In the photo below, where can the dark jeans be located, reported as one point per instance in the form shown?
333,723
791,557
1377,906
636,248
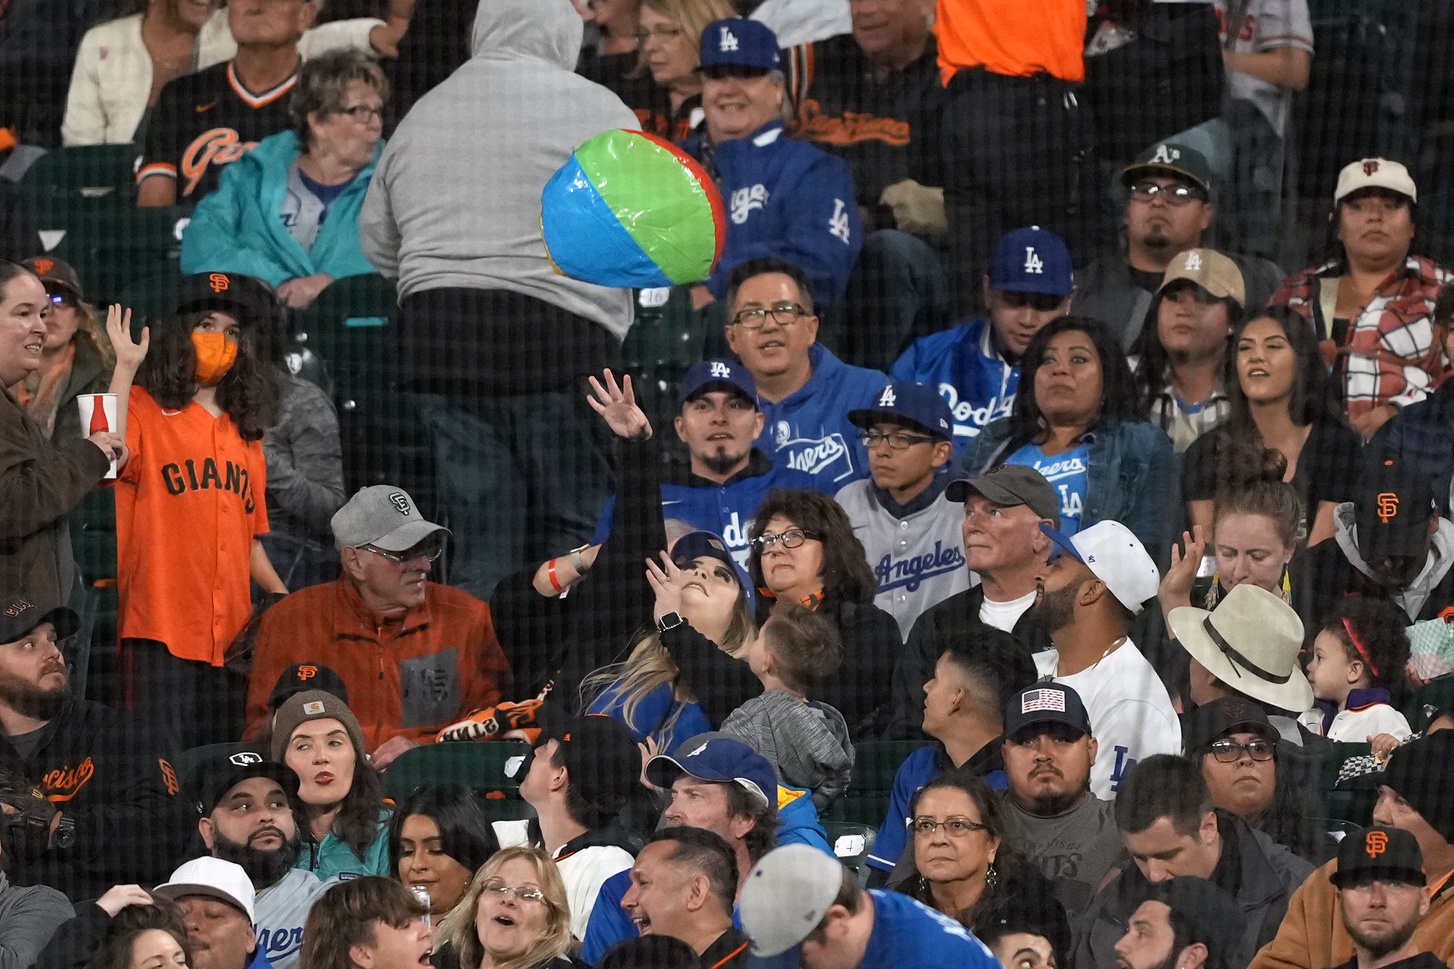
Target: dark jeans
895,295
1017,152
518,479
181,703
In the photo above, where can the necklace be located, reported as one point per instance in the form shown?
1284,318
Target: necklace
1109,649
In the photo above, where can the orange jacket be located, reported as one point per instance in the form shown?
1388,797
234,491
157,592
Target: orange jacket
407,676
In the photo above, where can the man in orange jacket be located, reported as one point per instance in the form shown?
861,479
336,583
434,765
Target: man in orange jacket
414,655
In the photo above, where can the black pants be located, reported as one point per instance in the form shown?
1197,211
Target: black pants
180,703
1016,152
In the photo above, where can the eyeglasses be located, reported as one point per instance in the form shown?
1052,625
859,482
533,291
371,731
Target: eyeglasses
898,440
784,314
1229,751
521,894
957,827
790,538
1177,194
662,32
431,548
1039,302
362,113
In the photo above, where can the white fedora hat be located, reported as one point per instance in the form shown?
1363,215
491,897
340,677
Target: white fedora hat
1250,642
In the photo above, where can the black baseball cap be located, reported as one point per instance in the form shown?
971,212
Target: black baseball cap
1011,484
1212,721
1379,854
220,767
1046,703
1391,510
1170,158
301,677
19,616
598,751
229,292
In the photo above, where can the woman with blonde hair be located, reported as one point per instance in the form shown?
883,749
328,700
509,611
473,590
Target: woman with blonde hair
513,916
668,53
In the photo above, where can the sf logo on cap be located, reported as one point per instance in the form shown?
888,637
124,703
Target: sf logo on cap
219,282
1387,506
1370,167
720,369
307,672
43,266
400,501
888,398
1375,843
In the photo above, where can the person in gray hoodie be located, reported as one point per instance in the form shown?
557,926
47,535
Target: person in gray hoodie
494,344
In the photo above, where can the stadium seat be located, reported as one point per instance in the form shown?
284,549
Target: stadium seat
480,766
1433,696
852,842
875,762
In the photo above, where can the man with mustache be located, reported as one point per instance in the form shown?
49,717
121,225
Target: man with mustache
1050,814
247,818
102,809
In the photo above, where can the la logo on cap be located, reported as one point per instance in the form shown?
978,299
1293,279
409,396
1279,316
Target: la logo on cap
244,758
888,398
1033,263
726,40
312,708
1165,154
720,369
1193,262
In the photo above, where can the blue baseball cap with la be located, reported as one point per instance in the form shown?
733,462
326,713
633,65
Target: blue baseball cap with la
1032,260
717,375
739,42
906,402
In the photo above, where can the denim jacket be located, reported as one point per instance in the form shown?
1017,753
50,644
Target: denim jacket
1132,476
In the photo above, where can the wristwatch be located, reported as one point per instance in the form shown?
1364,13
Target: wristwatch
65,832
669,621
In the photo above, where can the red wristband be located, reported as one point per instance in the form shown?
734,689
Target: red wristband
550,574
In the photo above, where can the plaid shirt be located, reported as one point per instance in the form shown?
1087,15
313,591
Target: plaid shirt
1390,354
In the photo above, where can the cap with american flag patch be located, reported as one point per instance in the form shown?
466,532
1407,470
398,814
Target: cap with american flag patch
1046,703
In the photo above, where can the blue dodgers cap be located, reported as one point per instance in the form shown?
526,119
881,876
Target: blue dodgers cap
720,759
911,403
1032,260
705,544
717,375
738,42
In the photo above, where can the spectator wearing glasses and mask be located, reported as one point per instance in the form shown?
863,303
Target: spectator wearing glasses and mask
1170,208
441,656
76,357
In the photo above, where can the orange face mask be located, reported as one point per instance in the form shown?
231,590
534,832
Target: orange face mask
216,353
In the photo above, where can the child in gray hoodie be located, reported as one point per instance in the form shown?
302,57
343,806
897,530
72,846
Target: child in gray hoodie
805,740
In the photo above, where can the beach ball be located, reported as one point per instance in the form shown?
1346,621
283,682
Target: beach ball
632,210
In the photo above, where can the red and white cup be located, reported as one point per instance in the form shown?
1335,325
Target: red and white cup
98,413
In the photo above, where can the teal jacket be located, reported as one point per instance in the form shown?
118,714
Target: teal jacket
239,227
332,857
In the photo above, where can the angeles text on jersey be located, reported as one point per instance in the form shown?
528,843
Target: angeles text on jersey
911,571
191,475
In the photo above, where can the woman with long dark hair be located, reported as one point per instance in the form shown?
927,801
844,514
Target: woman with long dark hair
1080,421
1281,400
438,838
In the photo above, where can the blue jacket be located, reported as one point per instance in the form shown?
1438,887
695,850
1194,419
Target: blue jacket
808,430
907,933
787,199
797,825
1132,476
918,769
239,227
653,715
963,364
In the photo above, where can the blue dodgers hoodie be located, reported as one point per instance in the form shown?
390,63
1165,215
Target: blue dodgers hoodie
239,228
969,373
808,430
455,200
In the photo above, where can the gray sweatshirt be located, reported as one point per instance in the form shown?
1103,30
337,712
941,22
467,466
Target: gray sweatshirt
807,742
455,199
28,917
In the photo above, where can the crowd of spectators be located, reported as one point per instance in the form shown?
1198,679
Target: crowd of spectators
1157,642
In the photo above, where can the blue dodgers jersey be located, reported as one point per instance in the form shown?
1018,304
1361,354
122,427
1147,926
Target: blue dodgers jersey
909,934
1068,474
808,431
971,376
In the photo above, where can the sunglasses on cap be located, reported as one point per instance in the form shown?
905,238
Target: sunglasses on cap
61,297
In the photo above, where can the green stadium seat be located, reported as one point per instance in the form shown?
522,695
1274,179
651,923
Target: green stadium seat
480,766
852,842
90,172
1435,695
875,762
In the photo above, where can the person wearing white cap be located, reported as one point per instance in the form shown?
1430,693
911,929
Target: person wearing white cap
1089,595
415,655
1372,304
801,907
218,903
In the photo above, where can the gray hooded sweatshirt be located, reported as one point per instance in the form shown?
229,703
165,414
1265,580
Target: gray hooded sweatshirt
1441,559
455,199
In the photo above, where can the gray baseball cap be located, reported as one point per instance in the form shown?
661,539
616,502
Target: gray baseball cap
786,895
382,516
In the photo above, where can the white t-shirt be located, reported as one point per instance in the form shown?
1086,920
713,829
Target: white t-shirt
1356,726
1004,615
1130,712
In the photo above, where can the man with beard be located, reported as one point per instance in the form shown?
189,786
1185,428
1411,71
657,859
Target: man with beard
1088,596
1188,923
247,819
1382,898
1050,814
726,477
97,805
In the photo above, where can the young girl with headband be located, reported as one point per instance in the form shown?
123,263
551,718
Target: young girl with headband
1356,668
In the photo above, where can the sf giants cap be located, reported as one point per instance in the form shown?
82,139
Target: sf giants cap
214,878
1116,556
1032,260
786,895
717,375
1375,173
1391,510
720,759
1379,854
19,616
301,677
1010,485
229,292
55,271
1046,703
383,516
1210,270
738,42
908,403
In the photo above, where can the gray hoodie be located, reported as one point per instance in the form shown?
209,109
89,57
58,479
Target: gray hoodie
455,199
1441,559
807,743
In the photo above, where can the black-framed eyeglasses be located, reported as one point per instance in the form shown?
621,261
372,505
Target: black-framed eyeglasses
789,537
61,297
363,113
1039,302
784,314
662,32
431,548
1229,751
898,440
955,827
1177,194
